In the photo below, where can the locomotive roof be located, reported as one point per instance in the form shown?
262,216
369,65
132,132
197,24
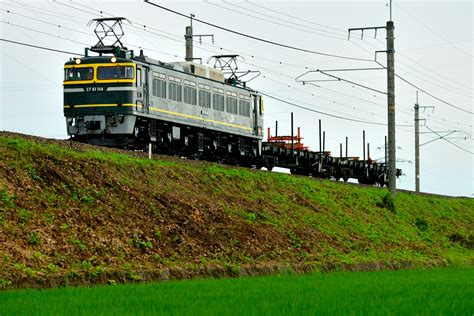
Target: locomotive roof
142,60
98,59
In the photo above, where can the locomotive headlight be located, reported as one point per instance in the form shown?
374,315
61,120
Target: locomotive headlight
113,59
78,61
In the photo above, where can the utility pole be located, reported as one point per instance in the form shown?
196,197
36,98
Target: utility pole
417,145
188,37
417,142
391,163
392,168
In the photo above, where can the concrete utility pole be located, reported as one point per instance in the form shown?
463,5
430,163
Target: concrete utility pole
391,163
417,145
417,141
188,37
392,168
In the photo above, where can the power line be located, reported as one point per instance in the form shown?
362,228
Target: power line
289,26
296,18
84,33
46,12
323,113
45,33
418,20
257,38
337,36
434,72
456,145
46,22
443,85
431,95
40,47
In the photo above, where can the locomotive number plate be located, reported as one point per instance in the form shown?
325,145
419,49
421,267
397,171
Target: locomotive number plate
95,89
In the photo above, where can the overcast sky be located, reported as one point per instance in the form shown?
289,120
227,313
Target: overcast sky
433,42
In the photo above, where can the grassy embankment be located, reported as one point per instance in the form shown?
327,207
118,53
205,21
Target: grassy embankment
92,215
412,292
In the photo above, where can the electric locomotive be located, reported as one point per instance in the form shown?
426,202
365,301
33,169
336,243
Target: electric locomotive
118,99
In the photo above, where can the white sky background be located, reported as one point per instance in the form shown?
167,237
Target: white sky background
433,42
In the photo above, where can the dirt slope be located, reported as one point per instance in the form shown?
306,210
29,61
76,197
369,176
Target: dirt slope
88,214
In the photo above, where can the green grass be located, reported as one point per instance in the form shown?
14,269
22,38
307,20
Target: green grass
68,204
405,292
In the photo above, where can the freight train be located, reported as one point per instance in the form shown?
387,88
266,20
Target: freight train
119,99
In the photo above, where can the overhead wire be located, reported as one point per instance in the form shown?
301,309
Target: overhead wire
80,32
296,18
280,99
330,34
44,33
435,81
433,96
29,7
255,37
447,140
418,20
243,13
40,47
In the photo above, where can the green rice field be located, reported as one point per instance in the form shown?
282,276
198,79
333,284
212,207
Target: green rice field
406,292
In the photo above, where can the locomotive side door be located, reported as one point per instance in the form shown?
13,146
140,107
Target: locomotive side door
258,118
143,98
146,90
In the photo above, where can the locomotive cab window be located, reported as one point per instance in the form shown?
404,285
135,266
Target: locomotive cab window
115,72
139,77
77,74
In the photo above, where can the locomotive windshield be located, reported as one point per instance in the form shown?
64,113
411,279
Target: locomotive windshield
115,72
76,74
